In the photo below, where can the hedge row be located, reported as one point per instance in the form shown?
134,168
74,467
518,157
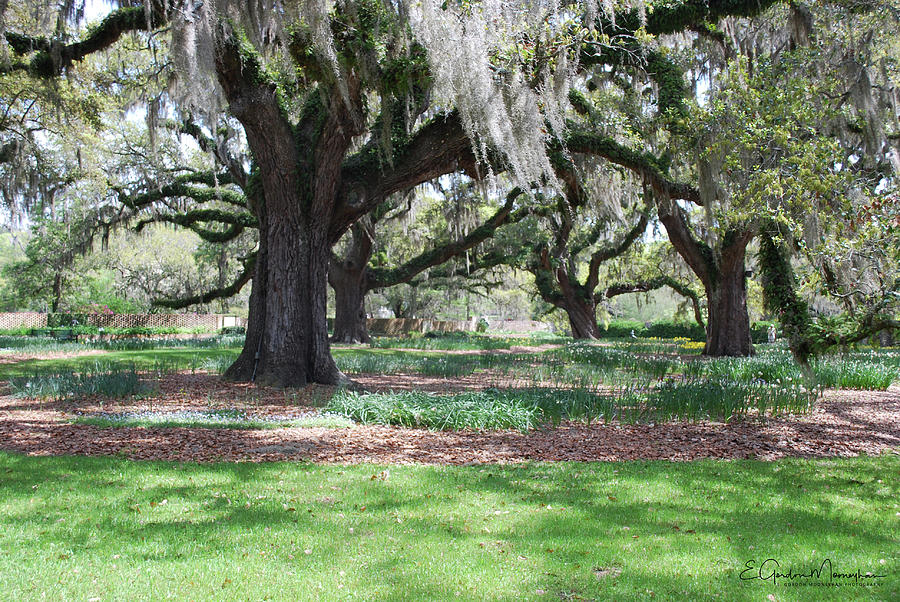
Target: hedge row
619,329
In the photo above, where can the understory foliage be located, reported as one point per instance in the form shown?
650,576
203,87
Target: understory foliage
643,381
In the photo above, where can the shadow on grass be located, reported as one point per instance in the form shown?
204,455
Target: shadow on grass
680,530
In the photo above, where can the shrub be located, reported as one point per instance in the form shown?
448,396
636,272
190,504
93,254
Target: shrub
618,329
492,409
66,319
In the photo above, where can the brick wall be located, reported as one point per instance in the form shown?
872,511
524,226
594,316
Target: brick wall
518,326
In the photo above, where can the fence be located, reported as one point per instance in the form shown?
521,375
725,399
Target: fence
398,326
377,326
9,321
517,326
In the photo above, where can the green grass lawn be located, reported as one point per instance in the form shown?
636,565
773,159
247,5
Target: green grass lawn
82,528
147,359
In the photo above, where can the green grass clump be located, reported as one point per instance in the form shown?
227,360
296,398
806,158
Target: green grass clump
223,419
112,383
154,360
856,374
30,344
136,344
398,362
721,400
76,528
464,341
527,409
492,409
874,371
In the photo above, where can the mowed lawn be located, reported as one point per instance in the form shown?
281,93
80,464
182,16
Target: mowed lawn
169,360
113,529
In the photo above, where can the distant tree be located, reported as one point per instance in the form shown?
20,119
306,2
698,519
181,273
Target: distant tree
353,276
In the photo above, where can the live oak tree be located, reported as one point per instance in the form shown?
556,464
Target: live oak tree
343,108
810,151
582,239
353,275
318,167
749,130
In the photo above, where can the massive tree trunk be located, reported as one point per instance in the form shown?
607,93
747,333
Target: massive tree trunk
723,277
299,171
295,348
728,329
582,318
349,308
245,367
348,278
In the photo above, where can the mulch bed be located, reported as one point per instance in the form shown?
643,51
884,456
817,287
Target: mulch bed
844,423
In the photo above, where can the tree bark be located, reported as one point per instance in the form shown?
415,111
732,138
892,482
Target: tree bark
556,288
57,292
728,330
348,278
295,348
723,278
245,367
349,308
582,318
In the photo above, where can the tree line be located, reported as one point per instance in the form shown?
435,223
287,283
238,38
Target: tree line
758,137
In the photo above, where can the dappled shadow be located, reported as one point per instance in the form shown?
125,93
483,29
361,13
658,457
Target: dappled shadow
32,432
517,516
844,423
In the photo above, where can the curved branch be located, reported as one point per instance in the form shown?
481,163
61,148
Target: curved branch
182,187
696,254
53,58
611,251
209,145
220,293
437,148
644,165
646,286
188,218
677,16
379,278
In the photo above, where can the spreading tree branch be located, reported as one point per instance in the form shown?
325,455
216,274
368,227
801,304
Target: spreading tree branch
381,278
645,286
220,293
51,58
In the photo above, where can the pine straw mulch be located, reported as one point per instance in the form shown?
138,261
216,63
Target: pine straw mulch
844,423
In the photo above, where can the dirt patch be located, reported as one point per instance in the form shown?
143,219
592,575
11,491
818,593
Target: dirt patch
844,423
